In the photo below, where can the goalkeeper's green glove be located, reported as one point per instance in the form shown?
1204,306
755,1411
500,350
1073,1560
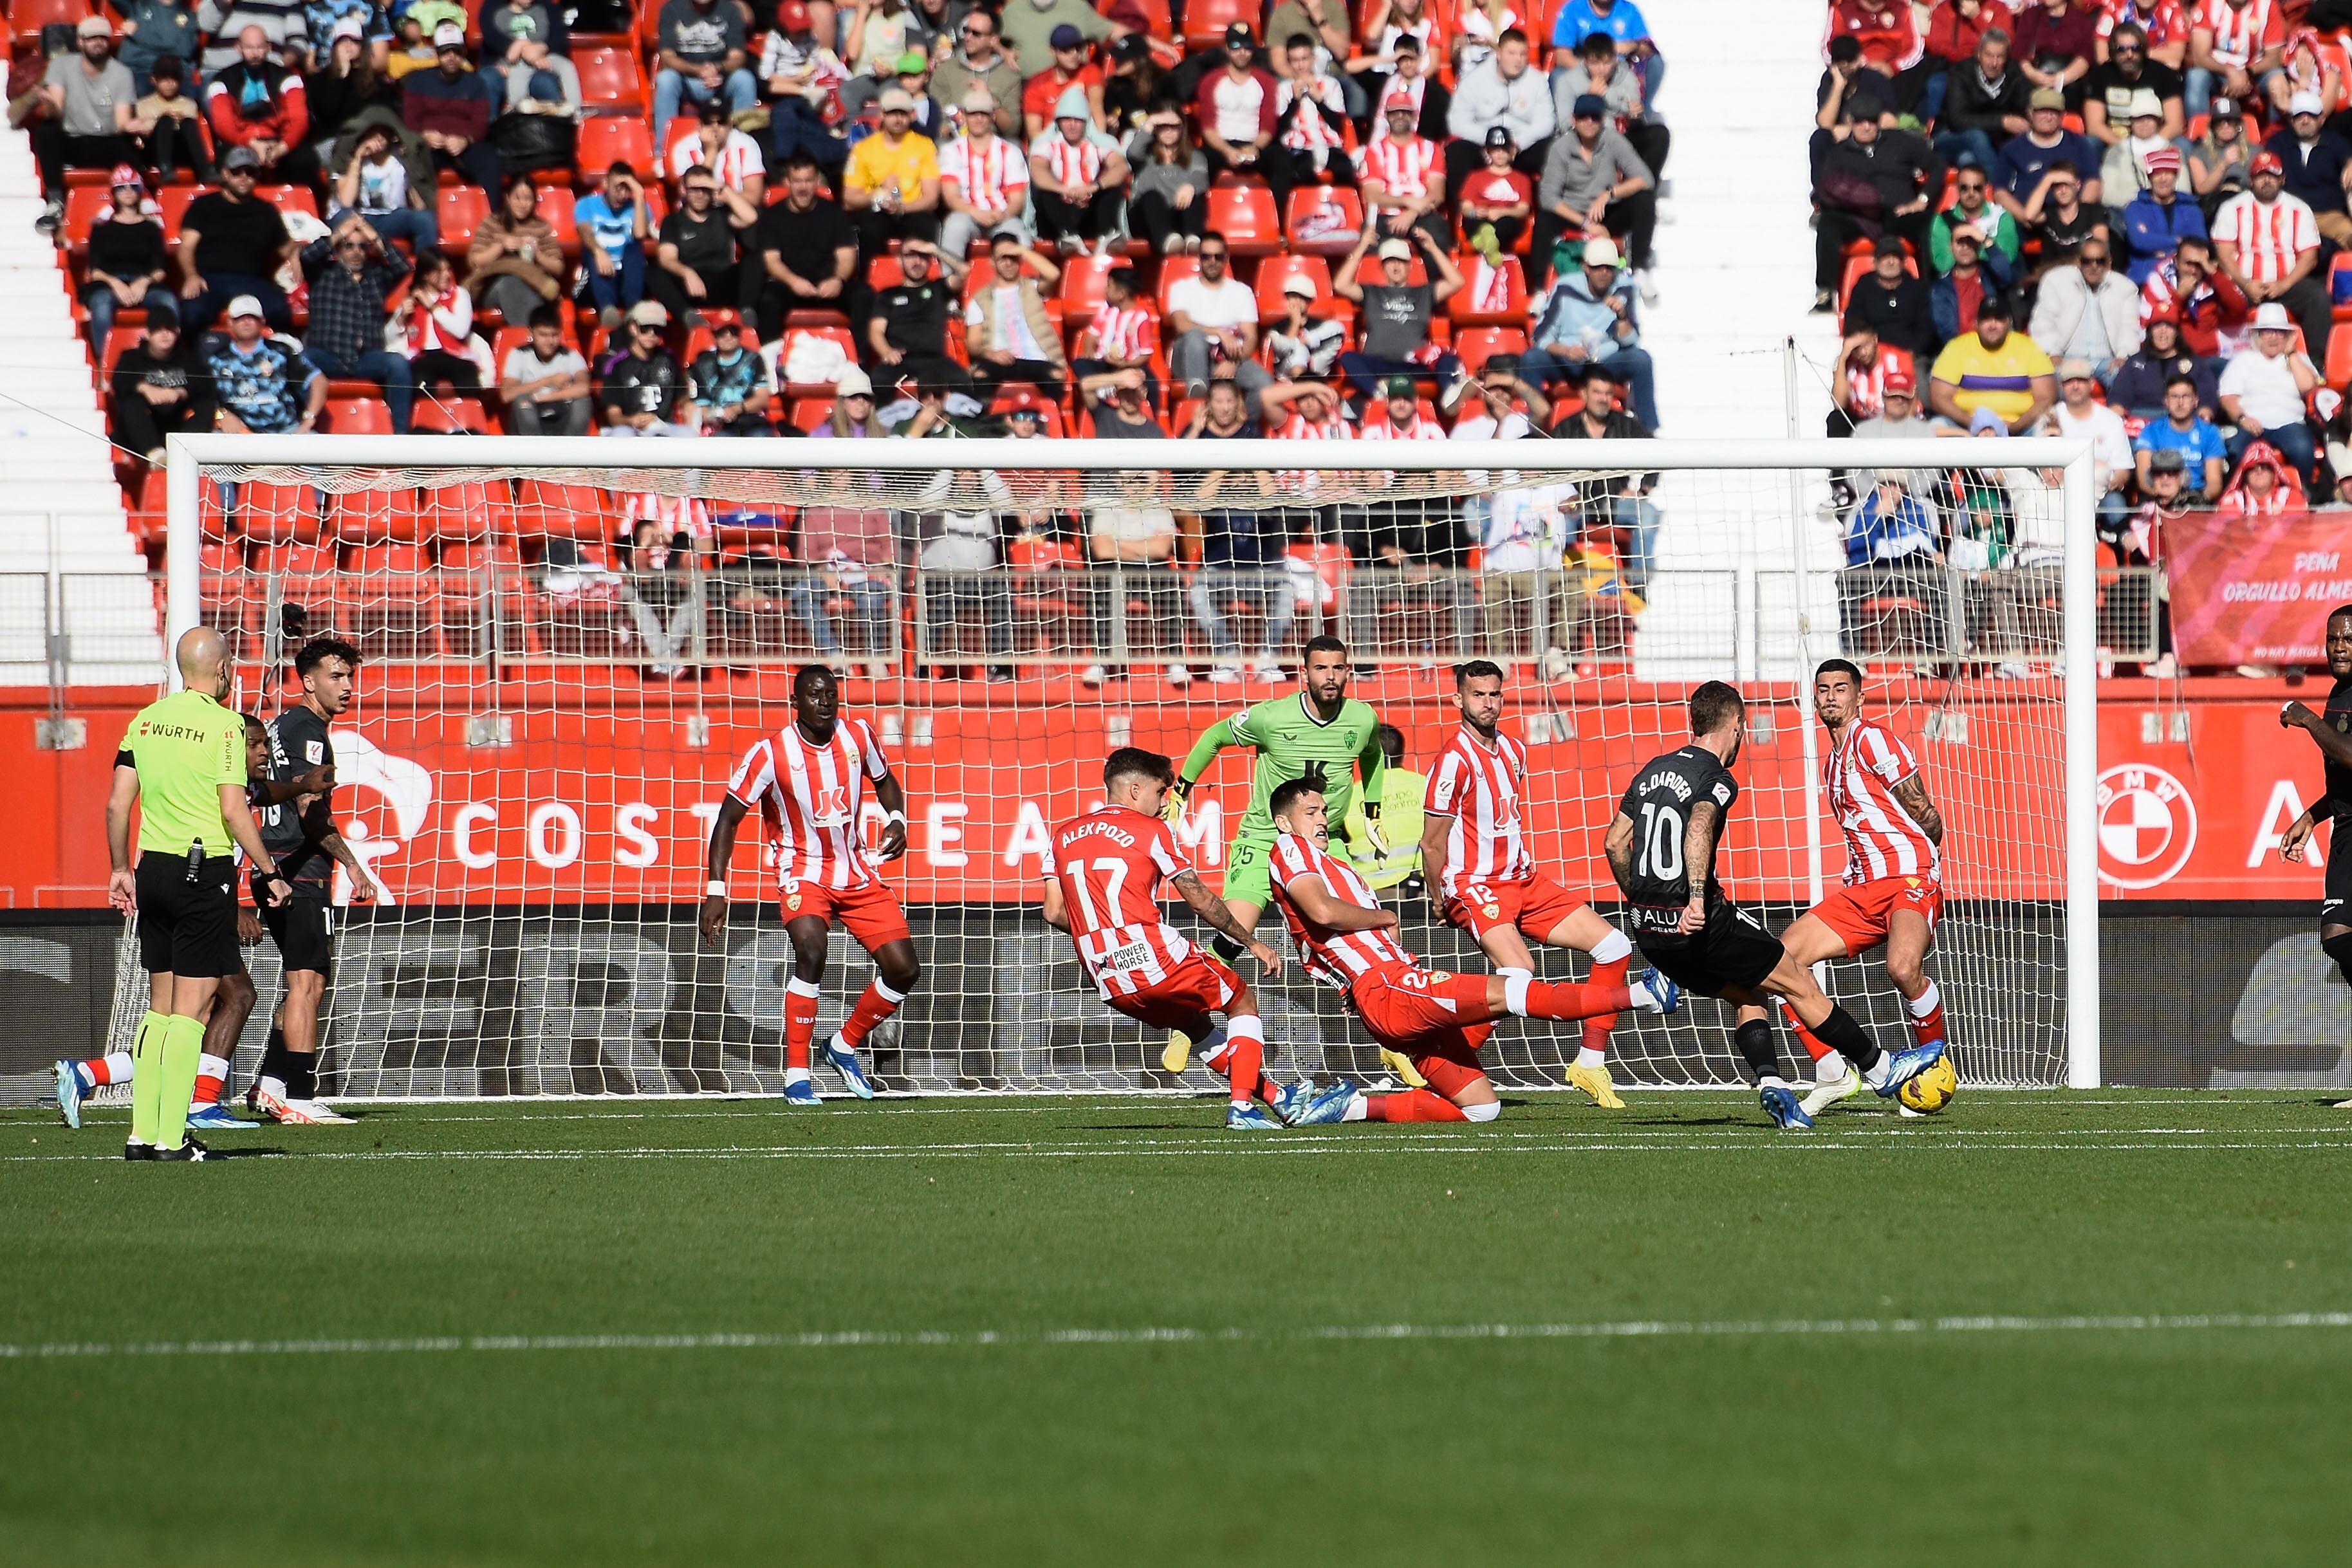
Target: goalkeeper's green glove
1178,793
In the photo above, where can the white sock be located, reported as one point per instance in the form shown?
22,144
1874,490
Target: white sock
117,1069
275,1087
1926,1001
1611,947
1358,1110
1515,990
211,1066
1875,1074
882,988
1592,1056
795,1075
1830,1068
1771,1081
1486,1112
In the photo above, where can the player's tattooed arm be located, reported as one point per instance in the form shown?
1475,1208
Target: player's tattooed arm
1618,846
1699,854
731,812
363,884
1912,794
1217,917
891,796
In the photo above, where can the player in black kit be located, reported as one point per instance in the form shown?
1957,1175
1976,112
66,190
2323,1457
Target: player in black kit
1662,848
2332,732
301,834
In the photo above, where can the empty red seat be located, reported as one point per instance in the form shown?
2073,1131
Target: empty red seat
606,138
1245,214
1172,271
290,198
555,205
548,508
1323,219
375,516
356,416
1082,284
273,514
1476,345
460,209
27,17
1490,296
609,79
448,413
1205,21
175,201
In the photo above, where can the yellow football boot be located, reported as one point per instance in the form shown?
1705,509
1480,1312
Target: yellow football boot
1596,1083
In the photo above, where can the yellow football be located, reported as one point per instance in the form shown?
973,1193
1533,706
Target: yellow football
1932,1090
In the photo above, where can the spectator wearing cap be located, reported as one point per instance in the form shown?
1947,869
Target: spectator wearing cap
728,385
1996,370
1593,183
2077,414
1166,207
161,386
731,155
1402,175
2020,174
1620,87
2266,485
1496,200
171,124
1045,92
1502,92
451,108
698,262
1006,329
2138,387
1954,298
1028,26
2160,217
906,335
1899,418
890,186
983,179
2235,50
1077,173
1998,247
1309,109
914,80
2085,309
351,272
2268,243
1412,81
979,64
1398,313
262,386
1894,302
1122,335
154,30
126,258
285,32
1871,180
804,82
702,56
2317,165
90,122
641,386
261,105
805,249
1591,317
1984,101
544,383
232,244
1234,106
2221,162
2183,431
2264,388
2056,43
1300,344
1132,83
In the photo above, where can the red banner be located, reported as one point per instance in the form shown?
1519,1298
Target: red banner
2255,591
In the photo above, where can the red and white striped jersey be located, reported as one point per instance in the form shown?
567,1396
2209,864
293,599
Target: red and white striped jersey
1078,162
1477,785
2242,32
2164,22
1110,864
1880,838
1866,385
1125,332
1315,125
1334,957
991,175
739,156
818,793
1402,167
2269,236
1298,427
1377,427
1415,88
444,325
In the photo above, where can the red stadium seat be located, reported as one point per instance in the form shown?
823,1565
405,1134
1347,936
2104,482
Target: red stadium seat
1478,344
610,83
275,514
607,138
26,17
356,416
1205,21
784,352
2338,367
174,199
446,415
809,414
1245,214
1334,214
1172,271
1280,269
375,516
84,206
555,202
546,508
460,209
1082,284
1496,297
290,198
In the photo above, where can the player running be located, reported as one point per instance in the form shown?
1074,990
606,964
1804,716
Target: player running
301,833
1320,733
1437,1020
232,1003
2332,733
1103,872
1894,891
1662,848
811,776
1474,841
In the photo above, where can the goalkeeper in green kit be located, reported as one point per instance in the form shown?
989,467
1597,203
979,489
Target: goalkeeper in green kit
1320,732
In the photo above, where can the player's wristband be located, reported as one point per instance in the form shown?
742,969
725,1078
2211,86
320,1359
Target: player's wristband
898,817
715,888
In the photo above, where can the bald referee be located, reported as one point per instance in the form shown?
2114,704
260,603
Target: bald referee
183,763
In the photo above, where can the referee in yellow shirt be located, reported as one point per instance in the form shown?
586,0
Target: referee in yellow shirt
182,762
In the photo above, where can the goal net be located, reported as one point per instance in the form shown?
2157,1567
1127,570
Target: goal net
569,642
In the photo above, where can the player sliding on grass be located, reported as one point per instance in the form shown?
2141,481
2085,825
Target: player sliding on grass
1662,848
811,778
1894,891
1103,872
1435,1019
1474,843
1320,733
2332,733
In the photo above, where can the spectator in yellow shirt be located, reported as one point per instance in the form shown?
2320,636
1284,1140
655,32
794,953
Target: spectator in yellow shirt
1995,367
890,187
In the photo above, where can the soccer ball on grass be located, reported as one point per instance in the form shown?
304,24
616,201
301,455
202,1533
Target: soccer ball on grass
1931,1091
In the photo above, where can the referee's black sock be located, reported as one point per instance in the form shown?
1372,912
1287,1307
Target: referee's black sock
273,1060
1760,1049
1842,1034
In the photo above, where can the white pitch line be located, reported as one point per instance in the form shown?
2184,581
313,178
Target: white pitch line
852,1339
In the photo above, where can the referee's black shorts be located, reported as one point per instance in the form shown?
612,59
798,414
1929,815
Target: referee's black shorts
1732,952
188,927
303,927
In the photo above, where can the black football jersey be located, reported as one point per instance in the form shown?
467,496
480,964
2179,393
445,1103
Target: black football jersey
299,742
1659,803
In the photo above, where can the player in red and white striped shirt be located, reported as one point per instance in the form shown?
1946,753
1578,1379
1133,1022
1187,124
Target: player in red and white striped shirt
809,780
1474,853
1894,891
1103,872
1437,1020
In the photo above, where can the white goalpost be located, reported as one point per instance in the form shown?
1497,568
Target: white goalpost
547,716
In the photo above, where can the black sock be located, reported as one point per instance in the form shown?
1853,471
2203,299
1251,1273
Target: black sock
273,1058
302,1082
1842,1034
1760,1049
2339,947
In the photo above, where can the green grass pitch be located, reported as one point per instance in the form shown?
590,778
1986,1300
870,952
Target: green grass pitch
1096,1332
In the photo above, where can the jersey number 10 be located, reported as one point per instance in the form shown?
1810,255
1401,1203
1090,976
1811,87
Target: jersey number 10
1660,856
